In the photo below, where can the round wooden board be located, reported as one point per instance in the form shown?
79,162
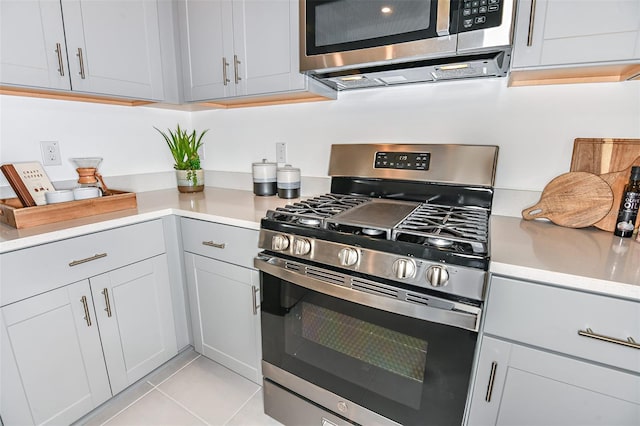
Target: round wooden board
574,200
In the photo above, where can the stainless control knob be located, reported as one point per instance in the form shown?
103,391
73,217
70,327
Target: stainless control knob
404,268
437,275
301,246
280,242
348,256
343,407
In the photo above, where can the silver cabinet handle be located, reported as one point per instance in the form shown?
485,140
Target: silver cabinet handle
60,63
254,299
630,343
492,378
532,18
88,259
225,64
81,60
105,293
87,317
442,18
236,62
212,244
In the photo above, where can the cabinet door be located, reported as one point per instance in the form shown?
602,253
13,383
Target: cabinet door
206,34
52,358
225,317
32,50
266,44
114,47
133,307
517,385
576,32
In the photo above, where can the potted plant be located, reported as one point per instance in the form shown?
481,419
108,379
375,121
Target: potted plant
184,148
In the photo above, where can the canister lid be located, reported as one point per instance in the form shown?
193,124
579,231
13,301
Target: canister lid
288,174
264,170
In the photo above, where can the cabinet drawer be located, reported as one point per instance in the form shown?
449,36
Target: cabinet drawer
223,242
25,273
551,317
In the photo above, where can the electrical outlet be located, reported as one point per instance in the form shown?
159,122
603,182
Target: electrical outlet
281,152
50,153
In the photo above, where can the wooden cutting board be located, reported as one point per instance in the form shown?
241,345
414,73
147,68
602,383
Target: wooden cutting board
617,182
574,200
601,156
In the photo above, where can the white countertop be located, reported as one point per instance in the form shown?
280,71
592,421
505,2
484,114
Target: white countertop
585,259
229,206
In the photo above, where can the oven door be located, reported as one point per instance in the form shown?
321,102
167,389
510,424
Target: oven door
335,34
351,351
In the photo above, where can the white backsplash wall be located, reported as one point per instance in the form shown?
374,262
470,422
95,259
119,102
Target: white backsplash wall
533,126
123,136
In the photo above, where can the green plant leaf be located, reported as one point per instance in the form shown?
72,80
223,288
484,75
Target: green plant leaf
184,147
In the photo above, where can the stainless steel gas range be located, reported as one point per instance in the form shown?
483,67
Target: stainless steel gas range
371,296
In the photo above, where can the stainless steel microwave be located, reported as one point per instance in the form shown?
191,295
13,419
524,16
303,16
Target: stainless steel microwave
343,40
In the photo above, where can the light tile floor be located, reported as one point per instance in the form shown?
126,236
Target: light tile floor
188,390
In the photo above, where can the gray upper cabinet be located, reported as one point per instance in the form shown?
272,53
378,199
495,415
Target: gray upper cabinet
240,49
107,47
114,47
576,32
33,51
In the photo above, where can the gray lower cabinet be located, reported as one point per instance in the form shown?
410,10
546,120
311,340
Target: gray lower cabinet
543,360
86,46
224,294
78,329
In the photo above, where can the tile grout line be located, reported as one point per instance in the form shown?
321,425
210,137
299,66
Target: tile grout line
127,407
243,405
183,407
153,387
175,372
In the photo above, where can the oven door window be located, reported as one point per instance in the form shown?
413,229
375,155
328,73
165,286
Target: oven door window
340,25
411,371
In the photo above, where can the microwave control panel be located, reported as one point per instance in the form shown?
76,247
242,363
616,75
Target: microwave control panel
402,160
479,14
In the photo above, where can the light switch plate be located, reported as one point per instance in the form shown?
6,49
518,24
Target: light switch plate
281,152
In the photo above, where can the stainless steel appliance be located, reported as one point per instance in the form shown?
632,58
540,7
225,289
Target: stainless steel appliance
350,44
371,295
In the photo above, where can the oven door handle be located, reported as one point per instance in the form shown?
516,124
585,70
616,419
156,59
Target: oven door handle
459,315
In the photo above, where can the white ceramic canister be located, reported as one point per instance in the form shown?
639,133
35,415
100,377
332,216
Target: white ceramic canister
288,182
264,178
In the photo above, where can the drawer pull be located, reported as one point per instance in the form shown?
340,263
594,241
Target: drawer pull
254,299
630,343
81,62
60,63
105,293
87,318
532,18
212,244
492,378
88,259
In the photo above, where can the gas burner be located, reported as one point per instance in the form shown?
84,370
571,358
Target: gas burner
439,242
372,232
464,229
313,211
309,221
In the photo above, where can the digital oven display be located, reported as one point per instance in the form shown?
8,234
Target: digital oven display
402,160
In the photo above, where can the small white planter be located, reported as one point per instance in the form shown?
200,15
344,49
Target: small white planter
190,180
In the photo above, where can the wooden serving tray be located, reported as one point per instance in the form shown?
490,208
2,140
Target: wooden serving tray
13,214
